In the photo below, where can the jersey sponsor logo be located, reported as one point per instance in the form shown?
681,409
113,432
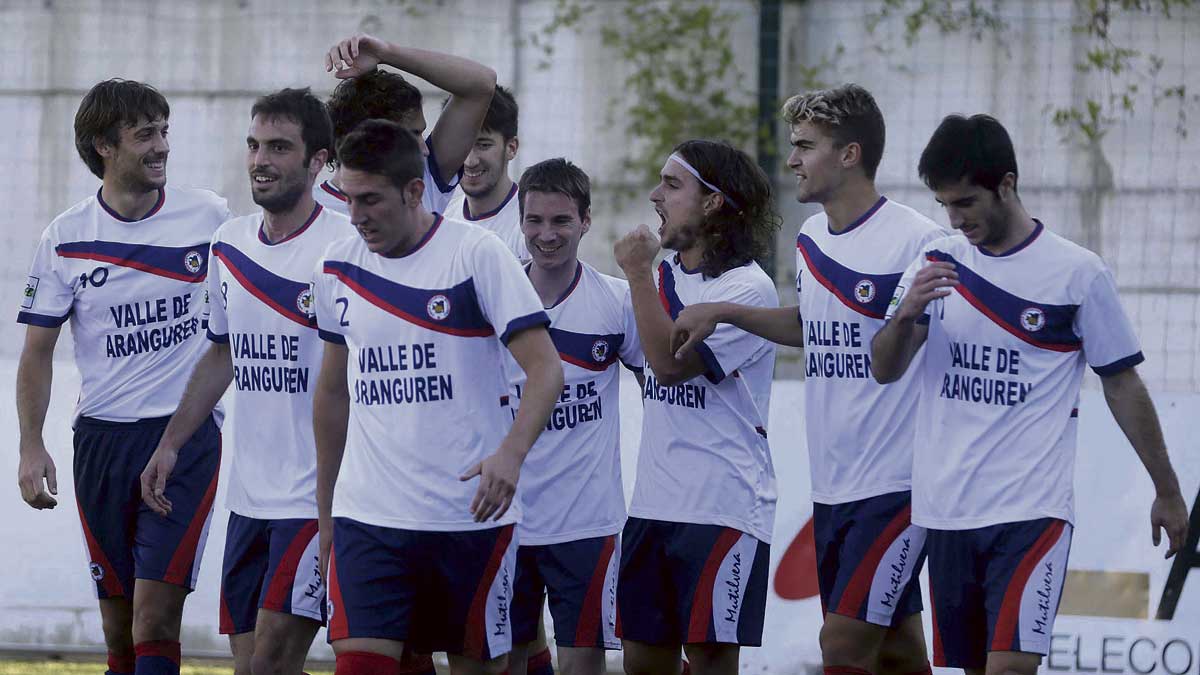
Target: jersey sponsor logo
304,301
864,291
1033,319
438,307
897,297
97,571
30,292
193,261
600,350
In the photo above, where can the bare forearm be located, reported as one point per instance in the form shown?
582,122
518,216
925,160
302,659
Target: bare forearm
543,385
892,350
35,371
653,323
780,325
331,416
459,76
210,378
1134,412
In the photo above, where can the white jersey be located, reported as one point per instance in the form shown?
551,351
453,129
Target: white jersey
435,198
1000,379
262,308
504,220
571,481
844,282
135,294
425,333
704,456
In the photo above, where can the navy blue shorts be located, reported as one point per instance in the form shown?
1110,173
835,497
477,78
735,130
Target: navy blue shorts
124,538
273,565
581,579
996,589
683,583
434,591
869,558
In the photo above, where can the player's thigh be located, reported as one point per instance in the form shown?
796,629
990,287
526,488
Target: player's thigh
642,658
241,645
580,661
282,639
904,650
713,659
846,641
518,658
1012,663
116,619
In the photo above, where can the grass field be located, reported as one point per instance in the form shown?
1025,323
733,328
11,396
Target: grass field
65,668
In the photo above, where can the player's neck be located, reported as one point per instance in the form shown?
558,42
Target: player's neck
550,284
282,224
849,204
406,245
1020,227
493,199
691,257
130,205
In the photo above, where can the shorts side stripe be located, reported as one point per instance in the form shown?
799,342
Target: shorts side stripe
226,626
108,580
184,562
587,633
338,626
1006,622
859,587
475,639
284,576
701,618
939,654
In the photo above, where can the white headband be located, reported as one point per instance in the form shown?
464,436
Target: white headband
675,157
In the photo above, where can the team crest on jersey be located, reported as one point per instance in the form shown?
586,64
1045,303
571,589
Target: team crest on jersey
864,291
438,307
193,261
600,350
1032,319
304,301
96,570
30,293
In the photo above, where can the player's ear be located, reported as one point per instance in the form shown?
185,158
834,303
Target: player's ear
1007,189
103,146
318,161
851,155
510,148
712,203
586,222
413,192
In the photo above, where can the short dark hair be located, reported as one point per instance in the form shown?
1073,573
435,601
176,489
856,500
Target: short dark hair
379,94
502,114
301,107
735,235
847,113
106,108
556,175
977,148
385,148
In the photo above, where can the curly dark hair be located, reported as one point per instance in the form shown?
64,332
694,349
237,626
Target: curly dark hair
733,236
106,108
379,94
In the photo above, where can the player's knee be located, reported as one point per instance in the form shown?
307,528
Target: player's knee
842,645
496,666
268,660
153,622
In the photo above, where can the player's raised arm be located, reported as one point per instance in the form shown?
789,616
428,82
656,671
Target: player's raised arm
895,345
780,325
35,370
469,83
331,414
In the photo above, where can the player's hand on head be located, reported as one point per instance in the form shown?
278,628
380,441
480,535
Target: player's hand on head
636,250
37,476
1169,513
692,326
498,476
354,56
932,282
154,480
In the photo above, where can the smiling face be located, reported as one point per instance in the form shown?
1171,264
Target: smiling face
139,159
817,163
680,203
386,216
279,174
979,213
552,229
487,163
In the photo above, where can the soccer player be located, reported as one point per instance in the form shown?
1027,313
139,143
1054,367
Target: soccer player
127,267
486,195
849,259
408,413
264,340
694,552
366,92
571,496
1011,313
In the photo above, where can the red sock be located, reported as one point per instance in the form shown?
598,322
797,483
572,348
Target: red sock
539,663
159,657
366,663
845,670
121,664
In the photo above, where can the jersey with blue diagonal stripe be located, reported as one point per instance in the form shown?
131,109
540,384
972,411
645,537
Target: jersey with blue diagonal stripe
134,293
571,480
424,333
704,456
504,220
844,281
261,303
1000,381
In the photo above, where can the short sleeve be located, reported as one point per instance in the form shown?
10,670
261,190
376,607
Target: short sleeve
49,294
325,305
906,281
438,190
505,295
729,347
216,298
631,346
1109,343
